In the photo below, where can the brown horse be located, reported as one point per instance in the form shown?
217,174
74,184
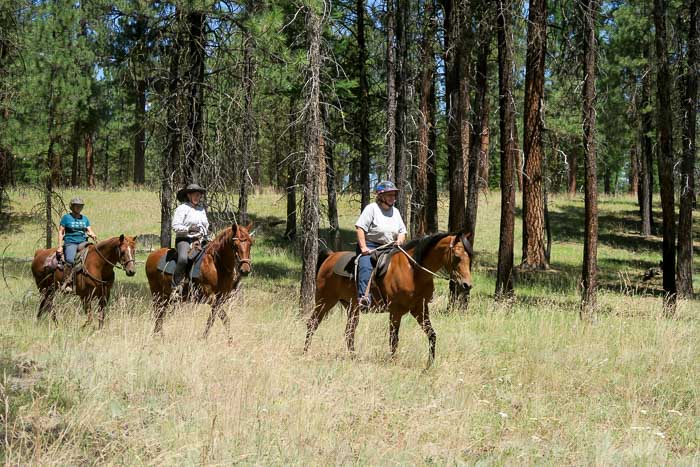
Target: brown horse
94,281
407,285
226,261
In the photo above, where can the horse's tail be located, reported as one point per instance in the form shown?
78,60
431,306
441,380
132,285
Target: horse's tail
322,257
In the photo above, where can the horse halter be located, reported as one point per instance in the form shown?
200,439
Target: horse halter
238,255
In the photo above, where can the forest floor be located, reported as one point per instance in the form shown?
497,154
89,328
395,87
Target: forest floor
520,383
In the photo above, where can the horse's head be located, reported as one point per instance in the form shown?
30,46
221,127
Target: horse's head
242,241
127,251
461,263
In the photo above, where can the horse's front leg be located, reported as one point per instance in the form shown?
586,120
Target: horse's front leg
394,325
87,306
159,307
423,317
102,307
217,308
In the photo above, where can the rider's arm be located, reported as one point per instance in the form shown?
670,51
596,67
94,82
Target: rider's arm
179,225
91,233
361,240
61,234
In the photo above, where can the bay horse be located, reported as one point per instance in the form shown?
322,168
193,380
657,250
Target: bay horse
93,281
226,260
407,286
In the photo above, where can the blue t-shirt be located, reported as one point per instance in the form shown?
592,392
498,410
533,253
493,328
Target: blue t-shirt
75,228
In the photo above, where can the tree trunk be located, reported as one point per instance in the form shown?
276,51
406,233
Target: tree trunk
419,220
171,154
362,117
455,160
250,131
687,189
75,146
647,126
664,115
310,216
334,239
390,92
589,274
634,170
480,124
140,133
508,136
533,195
290,230
89,160
194,137
518,159
431,202
402,101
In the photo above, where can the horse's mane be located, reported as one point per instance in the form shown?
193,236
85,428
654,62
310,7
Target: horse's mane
424,244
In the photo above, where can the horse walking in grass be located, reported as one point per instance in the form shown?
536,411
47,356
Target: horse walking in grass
406,287
226,261
93,281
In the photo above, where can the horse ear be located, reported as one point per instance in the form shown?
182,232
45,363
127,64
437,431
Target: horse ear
121,238
469,236
249,226
135,237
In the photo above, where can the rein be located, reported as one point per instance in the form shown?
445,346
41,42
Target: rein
413,260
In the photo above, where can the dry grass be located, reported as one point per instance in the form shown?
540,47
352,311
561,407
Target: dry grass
527,383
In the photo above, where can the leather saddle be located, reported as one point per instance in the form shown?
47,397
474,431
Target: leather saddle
56,261
194,260
380,259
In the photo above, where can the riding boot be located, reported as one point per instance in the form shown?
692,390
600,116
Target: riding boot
67,278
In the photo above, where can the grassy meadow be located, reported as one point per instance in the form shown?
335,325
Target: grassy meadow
520,383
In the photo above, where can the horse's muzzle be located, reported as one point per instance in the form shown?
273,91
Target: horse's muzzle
465,286
245,269
130,273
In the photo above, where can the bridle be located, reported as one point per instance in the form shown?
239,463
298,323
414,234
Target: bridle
120,264
450,271
237,253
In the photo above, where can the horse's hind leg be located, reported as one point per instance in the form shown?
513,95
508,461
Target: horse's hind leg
46,305
315,319
422,316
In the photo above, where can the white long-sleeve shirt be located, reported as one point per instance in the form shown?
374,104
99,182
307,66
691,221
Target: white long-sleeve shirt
187,215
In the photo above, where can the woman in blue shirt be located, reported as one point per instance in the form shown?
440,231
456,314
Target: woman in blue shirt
73,230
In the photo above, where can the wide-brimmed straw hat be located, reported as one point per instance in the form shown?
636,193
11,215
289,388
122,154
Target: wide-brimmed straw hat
77,201
191,188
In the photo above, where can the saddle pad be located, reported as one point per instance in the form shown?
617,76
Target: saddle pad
167,263
381,264
345,266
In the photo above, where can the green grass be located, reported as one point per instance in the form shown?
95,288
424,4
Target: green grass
521,383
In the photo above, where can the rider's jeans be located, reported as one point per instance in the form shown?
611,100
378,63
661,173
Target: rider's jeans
364,270
69,252
183,247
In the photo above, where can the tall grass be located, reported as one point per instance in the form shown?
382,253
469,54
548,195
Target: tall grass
520,383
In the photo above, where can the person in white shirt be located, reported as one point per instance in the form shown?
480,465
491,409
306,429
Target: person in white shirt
190,223
379,224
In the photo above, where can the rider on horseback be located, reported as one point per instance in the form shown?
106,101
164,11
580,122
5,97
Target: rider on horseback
73,230
379,224
190,223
